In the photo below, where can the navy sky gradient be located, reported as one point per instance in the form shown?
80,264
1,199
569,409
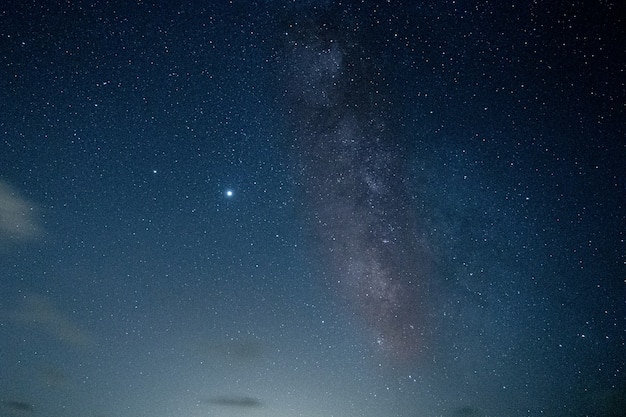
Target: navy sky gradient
266,208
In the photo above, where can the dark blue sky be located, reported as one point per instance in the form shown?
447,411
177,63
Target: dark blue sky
427,211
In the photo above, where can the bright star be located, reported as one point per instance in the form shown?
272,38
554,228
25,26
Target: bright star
229,193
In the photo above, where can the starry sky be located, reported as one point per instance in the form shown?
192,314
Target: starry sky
312,208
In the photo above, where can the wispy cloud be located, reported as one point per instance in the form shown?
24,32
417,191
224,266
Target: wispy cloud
40,312
15,407
235,401
17,216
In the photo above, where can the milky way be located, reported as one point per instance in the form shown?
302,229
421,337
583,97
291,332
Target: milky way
354,176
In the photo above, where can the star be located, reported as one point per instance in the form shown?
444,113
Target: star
229,193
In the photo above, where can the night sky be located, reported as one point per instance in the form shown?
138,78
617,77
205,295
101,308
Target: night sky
312,208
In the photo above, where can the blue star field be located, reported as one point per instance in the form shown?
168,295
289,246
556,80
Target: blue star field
312,208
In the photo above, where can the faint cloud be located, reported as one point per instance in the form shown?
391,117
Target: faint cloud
242,350
40,312
467,411
17,216
53,376
235,401
16,407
